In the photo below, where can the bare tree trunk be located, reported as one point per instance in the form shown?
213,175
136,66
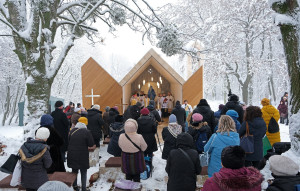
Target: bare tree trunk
7,105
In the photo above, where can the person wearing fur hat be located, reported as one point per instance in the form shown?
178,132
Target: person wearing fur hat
269,111
233,104
105,120
234,176
226,135
208,115
285,172
55,141
61,124
169,135
257,128
81,142
183,165
115,130
132,145
147,128
198,128
180,114
35,159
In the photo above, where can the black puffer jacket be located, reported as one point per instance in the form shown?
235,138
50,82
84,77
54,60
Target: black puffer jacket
284,183
35,159
234,105
208,115
180,114
78,153
147,128
116,129
132,112
95,125
61,124
182,174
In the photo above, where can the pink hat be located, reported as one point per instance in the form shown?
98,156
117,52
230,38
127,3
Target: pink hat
116,108
197,117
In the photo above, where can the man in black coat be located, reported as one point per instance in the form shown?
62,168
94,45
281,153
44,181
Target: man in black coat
233,104
180,114
61,124
133,112
153,111
208,115
95,123
183,165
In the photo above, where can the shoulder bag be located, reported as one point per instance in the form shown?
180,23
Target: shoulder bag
247,142
204,158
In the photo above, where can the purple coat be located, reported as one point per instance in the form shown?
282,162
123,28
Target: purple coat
243,179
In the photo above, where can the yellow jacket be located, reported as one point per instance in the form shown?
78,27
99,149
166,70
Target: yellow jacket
269,111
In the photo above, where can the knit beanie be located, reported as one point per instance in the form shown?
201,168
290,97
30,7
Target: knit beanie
233,97
172,118
46,120
130,126
54,185
265,102
83,120
42,133
96,106
145,111
197,117
59,104
233,157
283,166
116,108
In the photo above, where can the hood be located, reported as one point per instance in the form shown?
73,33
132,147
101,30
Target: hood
113,112
144,120
117,127
80,125
203,109
46,120
184,140
178,106
198,126
231,105
130,126
232,114
232,139
238,179
203,102
150,107
265,102
92,112
234,98
269,109
33,147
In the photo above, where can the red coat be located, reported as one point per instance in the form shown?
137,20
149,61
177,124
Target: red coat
243,179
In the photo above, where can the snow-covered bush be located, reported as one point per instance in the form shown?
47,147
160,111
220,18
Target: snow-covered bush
118,15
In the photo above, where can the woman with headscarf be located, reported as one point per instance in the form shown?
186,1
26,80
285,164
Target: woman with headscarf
169,135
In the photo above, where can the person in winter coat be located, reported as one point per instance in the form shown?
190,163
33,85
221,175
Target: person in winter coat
169,135
218,113
233,104
153,111
69,110
55,141
133,112
283,111
234,115
208,115
269,111
285,172
226,135
147,128
198,127
257,128
116,129
105,120
113,112
81,141
61,124
183,165
75,116
234,175
133,162
35,159
180,114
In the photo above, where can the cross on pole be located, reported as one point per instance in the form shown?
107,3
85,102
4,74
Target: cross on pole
92,96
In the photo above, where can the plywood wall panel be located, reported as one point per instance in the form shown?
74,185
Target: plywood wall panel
193,88
94,76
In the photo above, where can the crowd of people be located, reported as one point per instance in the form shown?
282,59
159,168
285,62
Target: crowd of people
189,133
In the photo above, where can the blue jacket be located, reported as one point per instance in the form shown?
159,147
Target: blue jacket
214,147
257,128
218,114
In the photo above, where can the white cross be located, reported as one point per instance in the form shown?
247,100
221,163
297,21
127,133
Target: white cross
92,96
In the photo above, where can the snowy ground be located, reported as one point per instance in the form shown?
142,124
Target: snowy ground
13,137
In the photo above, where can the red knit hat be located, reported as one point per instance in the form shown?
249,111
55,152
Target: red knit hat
145,111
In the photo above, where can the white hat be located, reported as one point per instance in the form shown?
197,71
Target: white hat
96,106
54,185
283,166
77,109
42,133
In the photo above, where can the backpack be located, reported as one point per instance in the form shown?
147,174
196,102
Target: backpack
201,141
273,126
147,173
153,118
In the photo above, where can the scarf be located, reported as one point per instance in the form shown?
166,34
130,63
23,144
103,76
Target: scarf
174,129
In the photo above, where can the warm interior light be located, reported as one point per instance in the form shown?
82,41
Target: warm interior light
139,86
144,82
148,85
152,79
157,84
